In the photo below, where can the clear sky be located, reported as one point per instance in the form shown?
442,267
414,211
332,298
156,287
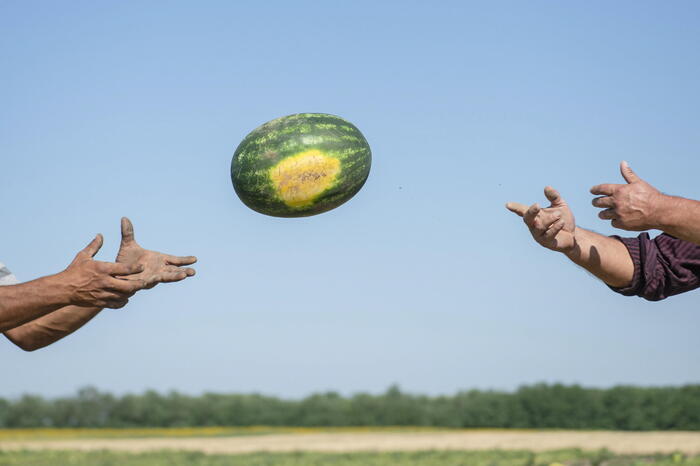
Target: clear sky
423,279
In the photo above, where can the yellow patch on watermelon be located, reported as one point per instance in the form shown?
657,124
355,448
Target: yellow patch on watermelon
301,178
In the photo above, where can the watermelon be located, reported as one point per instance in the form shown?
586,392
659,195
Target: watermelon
300,165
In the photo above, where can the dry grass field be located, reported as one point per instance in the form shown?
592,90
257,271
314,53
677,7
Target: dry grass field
249,440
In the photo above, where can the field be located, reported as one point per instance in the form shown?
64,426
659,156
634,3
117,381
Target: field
344,446
429,458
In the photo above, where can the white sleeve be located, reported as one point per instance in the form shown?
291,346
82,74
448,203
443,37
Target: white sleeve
6,277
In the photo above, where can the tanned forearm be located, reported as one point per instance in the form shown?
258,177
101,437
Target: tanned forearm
606,258
680,217
51,327
28,301
37,313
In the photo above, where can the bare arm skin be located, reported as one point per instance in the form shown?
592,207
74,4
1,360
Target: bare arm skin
638,206
86,282
605,257
680,217
555,228
51,327
148,269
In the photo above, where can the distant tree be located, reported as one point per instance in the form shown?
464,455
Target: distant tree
533,406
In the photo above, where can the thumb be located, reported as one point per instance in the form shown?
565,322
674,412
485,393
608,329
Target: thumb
553,196
517,208
627,173
94,246
127,231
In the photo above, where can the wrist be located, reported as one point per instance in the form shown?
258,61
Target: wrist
61,288
667,212
574,251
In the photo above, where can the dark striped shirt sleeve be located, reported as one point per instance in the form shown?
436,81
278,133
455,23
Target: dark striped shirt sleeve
663,266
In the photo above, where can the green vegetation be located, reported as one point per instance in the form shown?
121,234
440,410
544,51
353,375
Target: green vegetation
429,458
538,406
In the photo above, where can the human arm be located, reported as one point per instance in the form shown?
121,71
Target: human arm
605,257
86,282
41,311
51,327
555,228
680,217
638,206
150,268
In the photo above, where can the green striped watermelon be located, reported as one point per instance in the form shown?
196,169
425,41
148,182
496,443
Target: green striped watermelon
300,165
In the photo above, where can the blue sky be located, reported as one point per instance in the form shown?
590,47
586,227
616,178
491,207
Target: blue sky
423,279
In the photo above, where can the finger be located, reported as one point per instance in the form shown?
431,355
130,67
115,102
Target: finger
546,217
554,229
107,295
517,208
120,268
553,196
180,260
116,304
171,277
189,271
544,220
125,286
94,246
604,202
608,214
531,214
604,189
173,270
627,173
127,231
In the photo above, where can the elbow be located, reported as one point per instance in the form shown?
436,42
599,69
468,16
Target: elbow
27,346
23,343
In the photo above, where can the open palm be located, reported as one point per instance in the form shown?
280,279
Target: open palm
157,267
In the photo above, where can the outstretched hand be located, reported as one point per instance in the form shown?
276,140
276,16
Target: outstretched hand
634,206
101,284
157,267
552,227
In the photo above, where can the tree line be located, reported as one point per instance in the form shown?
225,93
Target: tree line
534,406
